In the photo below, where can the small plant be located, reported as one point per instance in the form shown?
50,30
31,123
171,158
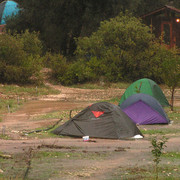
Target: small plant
29,156
138,89
158,146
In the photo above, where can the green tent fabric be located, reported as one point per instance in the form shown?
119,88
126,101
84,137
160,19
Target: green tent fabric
146,86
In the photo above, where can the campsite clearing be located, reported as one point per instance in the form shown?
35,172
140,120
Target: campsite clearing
53,157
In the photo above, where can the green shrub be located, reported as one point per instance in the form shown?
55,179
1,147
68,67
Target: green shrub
31,43
123,48
11,50
19,58
75,73
120,49
57,63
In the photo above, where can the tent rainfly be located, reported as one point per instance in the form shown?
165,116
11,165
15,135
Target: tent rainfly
100,120
144,109
146,86
7,8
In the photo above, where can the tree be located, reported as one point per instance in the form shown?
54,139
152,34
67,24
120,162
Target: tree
59,22
166,68
120,49
171,73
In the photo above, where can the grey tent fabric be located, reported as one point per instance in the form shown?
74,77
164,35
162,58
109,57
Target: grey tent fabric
101,120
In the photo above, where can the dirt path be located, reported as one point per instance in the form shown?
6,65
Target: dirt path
68,99
125,153
135,151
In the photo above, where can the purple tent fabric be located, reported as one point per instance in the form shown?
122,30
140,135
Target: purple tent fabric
141,113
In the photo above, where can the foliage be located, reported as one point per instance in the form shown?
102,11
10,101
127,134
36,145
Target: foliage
19,58
122,48
31,43
57,63
171,74
59,22
167,68
158,146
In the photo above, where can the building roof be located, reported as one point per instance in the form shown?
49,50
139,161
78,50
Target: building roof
159,10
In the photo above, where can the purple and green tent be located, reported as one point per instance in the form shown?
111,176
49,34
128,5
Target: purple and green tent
145,86
144,109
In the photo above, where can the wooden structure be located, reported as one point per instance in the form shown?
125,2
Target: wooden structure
165,23
2,28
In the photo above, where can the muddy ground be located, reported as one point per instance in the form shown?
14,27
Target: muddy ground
125,153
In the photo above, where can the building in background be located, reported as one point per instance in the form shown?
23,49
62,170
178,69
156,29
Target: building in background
165,23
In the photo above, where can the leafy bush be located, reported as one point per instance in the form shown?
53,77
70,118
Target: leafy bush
122,49
31,43
75,73
19,58
57,63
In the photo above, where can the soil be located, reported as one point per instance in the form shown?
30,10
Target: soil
133,152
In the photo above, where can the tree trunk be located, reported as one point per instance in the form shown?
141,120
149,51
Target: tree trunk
172,98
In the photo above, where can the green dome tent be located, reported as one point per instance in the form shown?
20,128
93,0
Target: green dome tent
146,86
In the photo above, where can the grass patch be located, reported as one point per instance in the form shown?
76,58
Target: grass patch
44,134
13,96
163,131
13,168
27,90
72,155
172,155
166,172
113,100
51,115
65,115
5,137
174,116
102,85
47,164
9,105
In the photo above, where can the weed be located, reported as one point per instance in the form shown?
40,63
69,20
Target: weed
29,156
158,146
5,137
